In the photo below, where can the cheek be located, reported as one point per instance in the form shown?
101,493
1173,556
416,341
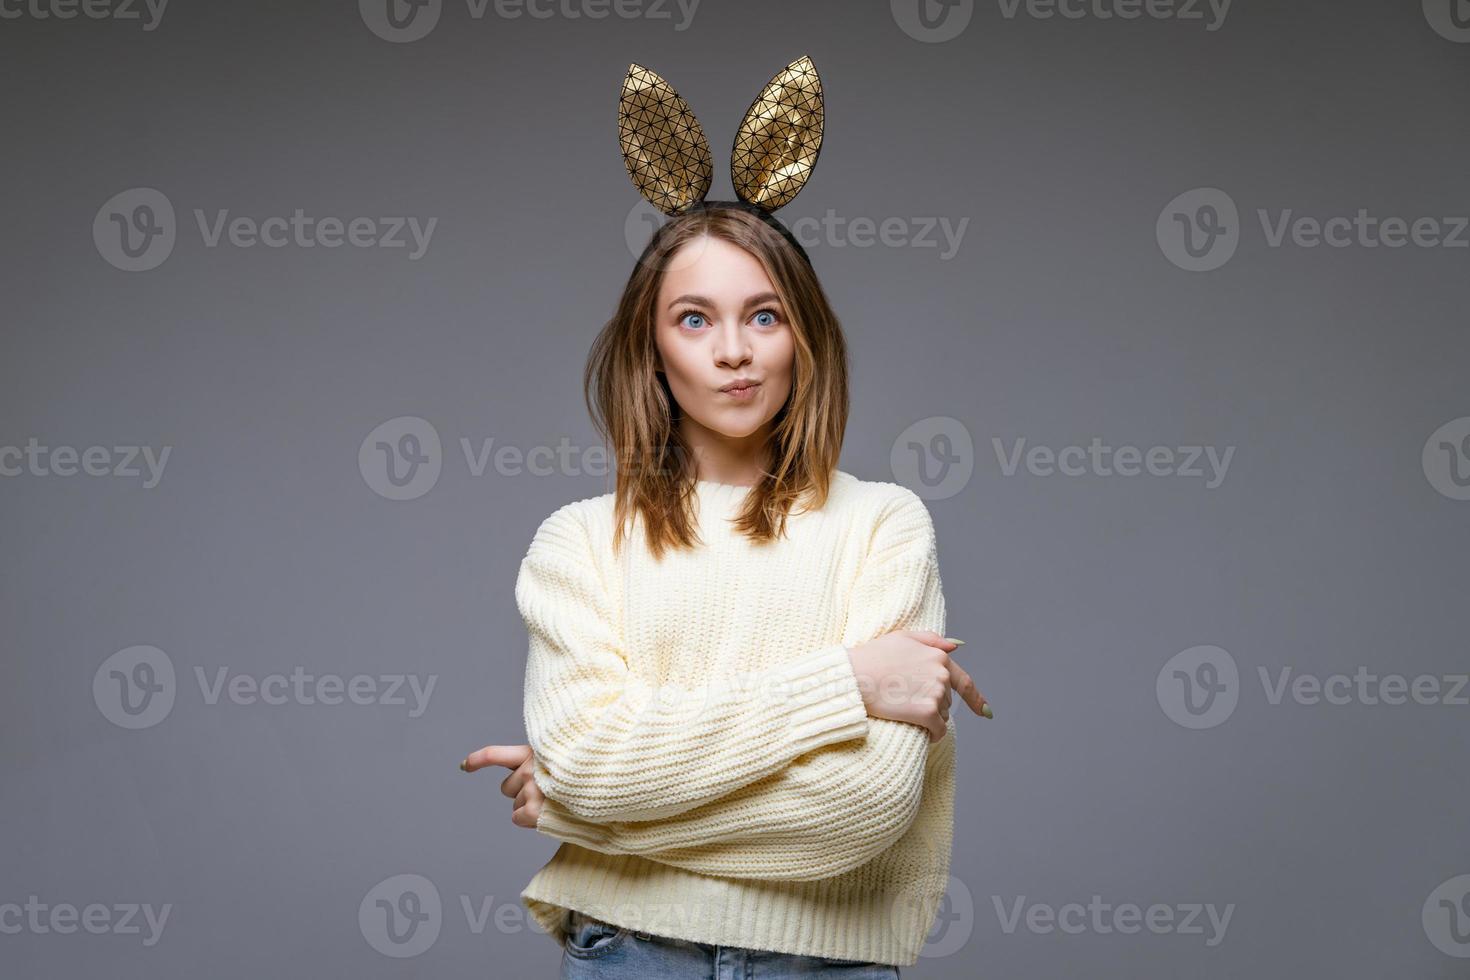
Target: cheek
781,356
677,366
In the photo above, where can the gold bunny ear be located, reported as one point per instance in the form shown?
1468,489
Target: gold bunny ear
664,147
777,143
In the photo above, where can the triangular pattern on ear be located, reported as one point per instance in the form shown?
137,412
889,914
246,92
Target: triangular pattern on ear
778,141
663,145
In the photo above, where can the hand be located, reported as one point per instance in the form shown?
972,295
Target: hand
520,785
907,675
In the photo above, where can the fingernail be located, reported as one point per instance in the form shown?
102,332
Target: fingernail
985,710
950,639
464,766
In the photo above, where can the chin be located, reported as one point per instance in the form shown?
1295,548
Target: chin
733,428
743,432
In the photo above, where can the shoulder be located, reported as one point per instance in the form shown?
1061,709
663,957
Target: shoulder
567,531
890,514
877,500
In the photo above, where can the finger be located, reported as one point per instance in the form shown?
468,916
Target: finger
528,806
513,783
938,684
930,638
509,756
966,689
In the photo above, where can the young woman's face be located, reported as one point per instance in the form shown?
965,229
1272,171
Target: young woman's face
717,320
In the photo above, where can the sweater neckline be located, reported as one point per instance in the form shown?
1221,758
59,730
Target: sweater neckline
722,499
737,491
743,488
713,485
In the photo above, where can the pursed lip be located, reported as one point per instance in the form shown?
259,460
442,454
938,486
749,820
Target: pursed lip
739,383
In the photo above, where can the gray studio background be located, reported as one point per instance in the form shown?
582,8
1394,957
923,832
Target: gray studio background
1073,152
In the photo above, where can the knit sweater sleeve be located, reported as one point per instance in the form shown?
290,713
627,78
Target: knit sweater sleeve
832,809
609,746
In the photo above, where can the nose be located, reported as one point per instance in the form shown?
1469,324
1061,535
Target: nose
731,347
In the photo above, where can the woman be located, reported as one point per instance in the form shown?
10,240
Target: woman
743,743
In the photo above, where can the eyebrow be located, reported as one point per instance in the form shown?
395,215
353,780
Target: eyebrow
693,300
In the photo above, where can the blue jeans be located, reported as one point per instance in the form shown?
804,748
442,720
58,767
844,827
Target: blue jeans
597,950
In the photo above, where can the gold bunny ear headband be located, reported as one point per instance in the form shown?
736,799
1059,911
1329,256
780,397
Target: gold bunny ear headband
775,147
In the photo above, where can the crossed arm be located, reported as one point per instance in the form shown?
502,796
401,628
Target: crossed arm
777,774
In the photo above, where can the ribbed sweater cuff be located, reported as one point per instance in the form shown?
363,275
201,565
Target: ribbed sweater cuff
823,698
554,824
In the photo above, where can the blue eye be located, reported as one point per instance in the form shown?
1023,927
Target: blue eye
696,320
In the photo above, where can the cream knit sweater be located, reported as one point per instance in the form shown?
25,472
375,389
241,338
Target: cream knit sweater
701,740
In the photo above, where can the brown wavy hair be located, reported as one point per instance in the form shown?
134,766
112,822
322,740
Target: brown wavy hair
635,411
